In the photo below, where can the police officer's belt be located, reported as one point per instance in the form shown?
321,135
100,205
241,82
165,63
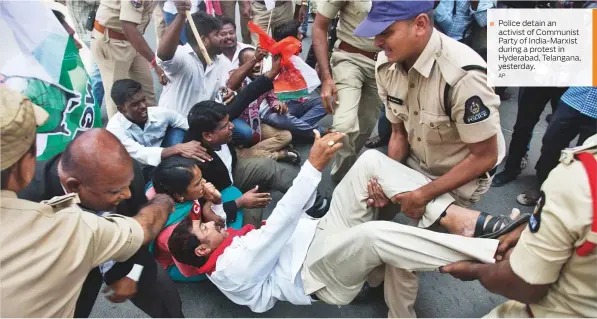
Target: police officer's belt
111,33
350,49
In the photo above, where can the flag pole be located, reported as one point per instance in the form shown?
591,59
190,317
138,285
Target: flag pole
198,38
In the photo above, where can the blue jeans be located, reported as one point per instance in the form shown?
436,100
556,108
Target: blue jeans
97,86
242,133
169,17
301,119
305,25
384,127
173,136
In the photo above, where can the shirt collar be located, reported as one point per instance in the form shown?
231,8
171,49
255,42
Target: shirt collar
425,61
127,124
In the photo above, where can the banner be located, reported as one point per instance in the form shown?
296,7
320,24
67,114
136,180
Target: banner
40,60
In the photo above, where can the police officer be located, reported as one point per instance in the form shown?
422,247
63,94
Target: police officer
445,120
551,270
49,248
351,94
119,49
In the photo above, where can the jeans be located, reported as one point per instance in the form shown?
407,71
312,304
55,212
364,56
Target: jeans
301,119
305,25
169,17
242,133
97,86
565,125
384,127
531,104
174,135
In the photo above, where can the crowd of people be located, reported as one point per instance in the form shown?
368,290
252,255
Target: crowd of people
174,189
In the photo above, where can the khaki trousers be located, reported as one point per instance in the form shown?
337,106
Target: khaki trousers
282,13
272,141
229,11
359,106
117,59
159,21
509,309
349,243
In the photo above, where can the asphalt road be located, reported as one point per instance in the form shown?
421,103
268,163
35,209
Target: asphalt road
439,295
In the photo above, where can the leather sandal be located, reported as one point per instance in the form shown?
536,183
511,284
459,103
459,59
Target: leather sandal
497,225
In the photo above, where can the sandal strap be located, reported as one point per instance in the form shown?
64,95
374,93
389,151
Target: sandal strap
491,225
480,223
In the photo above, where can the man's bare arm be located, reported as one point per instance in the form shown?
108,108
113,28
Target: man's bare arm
320,45
153,216
398,145
171,38
137,40
482,158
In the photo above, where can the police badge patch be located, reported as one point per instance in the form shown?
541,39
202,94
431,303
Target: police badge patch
136,3
535,221
474,110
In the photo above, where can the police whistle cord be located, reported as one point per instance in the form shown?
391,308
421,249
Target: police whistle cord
198,38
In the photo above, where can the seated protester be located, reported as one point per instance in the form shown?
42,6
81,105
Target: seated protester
210,123
230,45
181,179
149,134
304,113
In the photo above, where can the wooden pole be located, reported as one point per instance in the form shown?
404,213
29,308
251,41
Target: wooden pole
198,38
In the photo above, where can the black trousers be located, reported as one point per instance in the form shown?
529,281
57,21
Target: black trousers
565,125
157,295
531,103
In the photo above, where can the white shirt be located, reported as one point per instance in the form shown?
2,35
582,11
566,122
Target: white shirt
171,8
263,266
226,157
239,47
190,83
144,145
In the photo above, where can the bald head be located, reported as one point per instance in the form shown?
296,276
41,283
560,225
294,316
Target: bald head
97,167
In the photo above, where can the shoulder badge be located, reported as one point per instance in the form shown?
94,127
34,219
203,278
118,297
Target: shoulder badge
474,110
535,221
136,3
61,202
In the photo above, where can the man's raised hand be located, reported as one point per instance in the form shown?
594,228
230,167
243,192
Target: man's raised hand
324,149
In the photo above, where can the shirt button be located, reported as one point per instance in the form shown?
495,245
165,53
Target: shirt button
416,113
438,54
412,85
418,139
431,124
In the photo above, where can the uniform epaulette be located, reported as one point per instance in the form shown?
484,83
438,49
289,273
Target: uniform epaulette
567,155
61,202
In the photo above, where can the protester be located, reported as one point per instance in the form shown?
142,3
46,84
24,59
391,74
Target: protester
230,46
181,179
149,134
99,170
302,260
550,271
119,48
49,248
351,94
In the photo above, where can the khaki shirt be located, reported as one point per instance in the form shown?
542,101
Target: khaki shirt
111,12
548,256
416,99
48,250
352,13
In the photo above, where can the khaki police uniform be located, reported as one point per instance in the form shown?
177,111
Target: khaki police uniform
282,13
353,68
49,248
547,250
115,56
415,98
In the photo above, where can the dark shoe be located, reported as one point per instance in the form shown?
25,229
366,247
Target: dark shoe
502,178
498,225
320,210
368,294
291,156
374,142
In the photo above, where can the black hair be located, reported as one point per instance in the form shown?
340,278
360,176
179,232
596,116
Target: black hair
286,29
124,89
5,174
182,244
204,117
59,16
205,25
226,20
241,54
173,175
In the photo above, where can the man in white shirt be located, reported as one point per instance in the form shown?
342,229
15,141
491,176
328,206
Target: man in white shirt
170,13
191,79
298,259
149,134
230,45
